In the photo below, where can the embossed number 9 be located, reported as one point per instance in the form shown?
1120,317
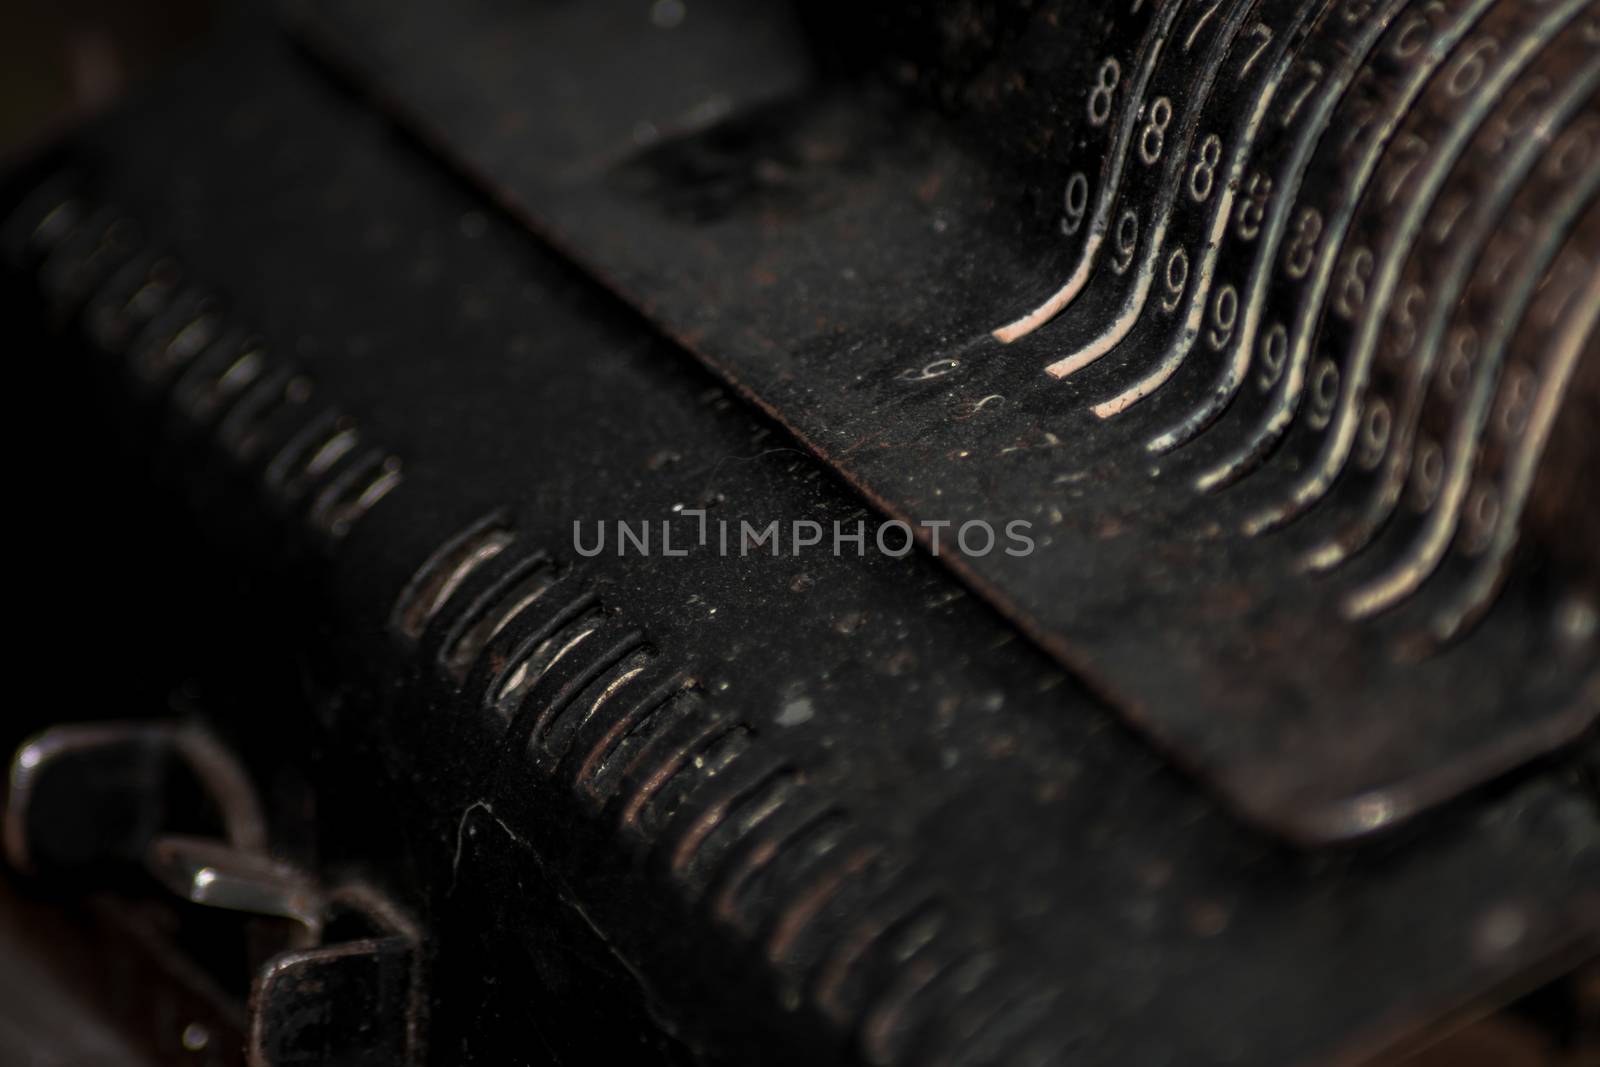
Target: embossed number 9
1376,427
1274,353
1177,278
1076,202
1468,71
1224,313
1127,241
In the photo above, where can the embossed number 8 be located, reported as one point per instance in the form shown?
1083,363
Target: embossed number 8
1154,139
1204,175
1104,95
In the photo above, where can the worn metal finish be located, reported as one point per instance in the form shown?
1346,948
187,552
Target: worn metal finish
1136,274
695,809
98,793
339,982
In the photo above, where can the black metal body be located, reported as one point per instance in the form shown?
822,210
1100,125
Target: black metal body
758,810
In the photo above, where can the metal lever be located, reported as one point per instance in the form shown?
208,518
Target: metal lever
91,797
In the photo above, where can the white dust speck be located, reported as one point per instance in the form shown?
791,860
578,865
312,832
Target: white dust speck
795,712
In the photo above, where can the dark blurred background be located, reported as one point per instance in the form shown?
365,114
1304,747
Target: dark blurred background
62,58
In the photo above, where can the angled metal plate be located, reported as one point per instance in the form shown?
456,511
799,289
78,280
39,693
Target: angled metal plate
1125,283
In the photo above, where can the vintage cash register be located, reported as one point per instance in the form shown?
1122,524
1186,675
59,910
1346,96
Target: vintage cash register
706,532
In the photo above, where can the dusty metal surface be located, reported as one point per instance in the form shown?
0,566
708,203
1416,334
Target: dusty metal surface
757,810
1235,301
